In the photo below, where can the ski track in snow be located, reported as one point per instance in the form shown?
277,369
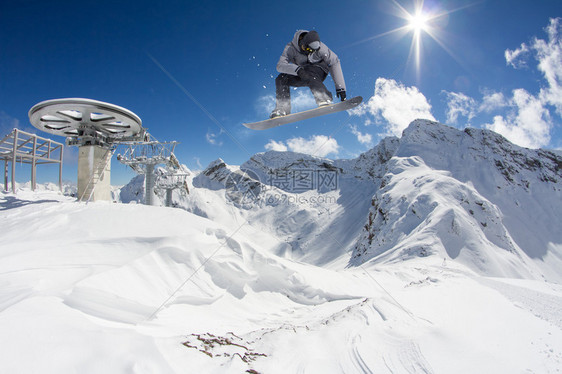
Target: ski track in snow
544,305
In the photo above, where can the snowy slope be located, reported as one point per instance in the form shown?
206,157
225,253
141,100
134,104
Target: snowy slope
309,205
469,195
407,264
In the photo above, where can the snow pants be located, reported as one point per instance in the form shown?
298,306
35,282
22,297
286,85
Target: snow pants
284,82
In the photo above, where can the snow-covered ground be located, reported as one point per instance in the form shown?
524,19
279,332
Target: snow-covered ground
435,253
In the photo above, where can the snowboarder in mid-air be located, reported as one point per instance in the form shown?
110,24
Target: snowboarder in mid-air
306,62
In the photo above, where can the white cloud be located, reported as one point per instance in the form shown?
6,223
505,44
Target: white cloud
301,99
397,105
198,163
549,55
368,122
316,145
265,105
493,101
212,139
365,139
460,104
525,118
517,57
360,110
7,124
528,125
276,146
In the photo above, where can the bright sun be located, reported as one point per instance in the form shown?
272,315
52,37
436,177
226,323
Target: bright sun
424,21
418,22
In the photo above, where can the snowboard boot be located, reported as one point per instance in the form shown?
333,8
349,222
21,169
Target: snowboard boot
322,96
278,112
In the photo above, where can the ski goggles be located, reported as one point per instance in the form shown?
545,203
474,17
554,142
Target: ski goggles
312,47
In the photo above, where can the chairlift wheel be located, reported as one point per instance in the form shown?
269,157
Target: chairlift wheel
76,117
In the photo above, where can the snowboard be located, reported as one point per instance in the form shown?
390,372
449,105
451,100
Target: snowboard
299,116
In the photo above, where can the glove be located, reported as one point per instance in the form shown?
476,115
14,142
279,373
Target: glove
341,94
303,74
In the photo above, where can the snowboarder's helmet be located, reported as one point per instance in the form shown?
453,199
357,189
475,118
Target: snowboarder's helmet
310,41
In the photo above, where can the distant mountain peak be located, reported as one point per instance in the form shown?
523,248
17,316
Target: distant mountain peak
486,191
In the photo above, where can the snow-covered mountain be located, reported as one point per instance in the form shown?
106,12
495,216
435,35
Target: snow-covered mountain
466,195
436,252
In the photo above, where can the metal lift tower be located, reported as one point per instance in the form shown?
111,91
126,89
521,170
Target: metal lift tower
97,128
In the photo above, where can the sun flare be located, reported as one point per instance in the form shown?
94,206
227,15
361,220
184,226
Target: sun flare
418,22
421,20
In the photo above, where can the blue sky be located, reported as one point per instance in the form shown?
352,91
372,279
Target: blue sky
195,71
